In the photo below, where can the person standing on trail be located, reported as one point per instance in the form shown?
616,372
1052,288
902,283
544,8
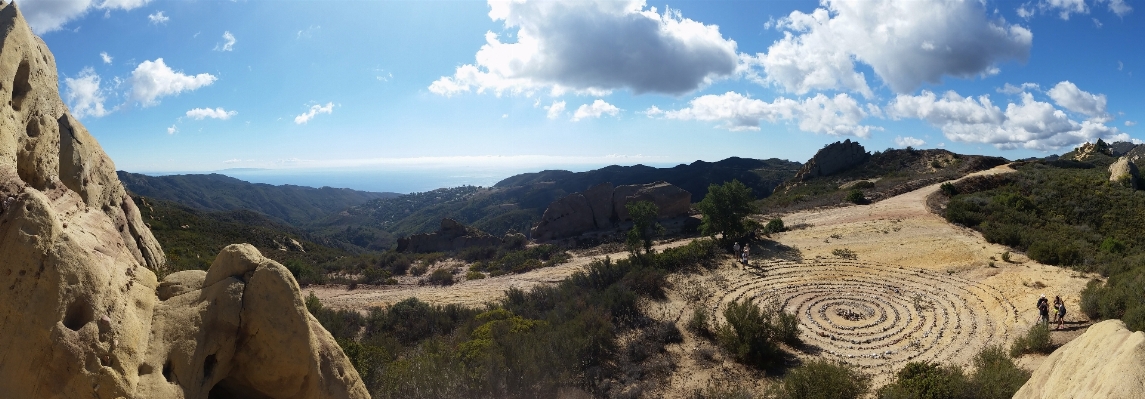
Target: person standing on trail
1044,310
735,249
1059,310
746,253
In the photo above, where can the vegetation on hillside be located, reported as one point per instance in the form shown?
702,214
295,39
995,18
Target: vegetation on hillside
1068,213
725,210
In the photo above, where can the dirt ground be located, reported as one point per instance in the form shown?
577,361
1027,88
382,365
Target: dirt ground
874,286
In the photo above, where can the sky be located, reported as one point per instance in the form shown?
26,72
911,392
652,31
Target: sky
310,86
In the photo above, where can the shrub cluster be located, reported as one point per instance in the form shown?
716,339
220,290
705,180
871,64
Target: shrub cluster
751,334
1037,340
995,376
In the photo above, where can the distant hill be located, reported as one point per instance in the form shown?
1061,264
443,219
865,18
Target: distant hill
519,201
292,204
761,175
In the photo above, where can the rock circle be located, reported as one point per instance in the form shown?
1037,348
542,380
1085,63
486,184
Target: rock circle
879,317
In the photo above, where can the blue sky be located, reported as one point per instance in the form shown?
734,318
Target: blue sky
400,85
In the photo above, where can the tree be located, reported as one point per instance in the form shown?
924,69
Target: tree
725,208
644,226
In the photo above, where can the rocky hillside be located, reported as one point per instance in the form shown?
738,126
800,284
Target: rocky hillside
83,312
296,205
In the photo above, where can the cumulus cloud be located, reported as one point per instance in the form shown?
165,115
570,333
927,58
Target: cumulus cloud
1068,96
1012,89
158,18
1028,124
597,109
840,115
903,142
154,79
556,110
594,47
217,113
84,94
1130,123
906,43
172,130
314,111
228,43
1118,7
50,15
106,58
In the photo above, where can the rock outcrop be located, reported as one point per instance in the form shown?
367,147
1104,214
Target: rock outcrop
602,207
451,236
833,158
82,313
1107,361
1124,171
1087,150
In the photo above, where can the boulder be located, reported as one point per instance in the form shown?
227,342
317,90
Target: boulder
600,202
833,158
1107,361
451,236
82,313
1124,170
672,201
565,217
1088,150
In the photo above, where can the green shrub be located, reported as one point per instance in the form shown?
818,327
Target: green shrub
474,275
749,335
419,270
774,226
818,379
948,189
699,322
441,276
1006,256
856,196
304,272
926,381
1112,245
995,375
1037,340
1090,299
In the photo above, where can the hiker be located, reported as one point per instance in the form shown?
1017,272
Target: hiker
1059,309
1044,310
735,249
746,253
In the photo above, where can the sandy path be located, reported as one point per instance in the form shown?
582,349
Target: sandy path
465,292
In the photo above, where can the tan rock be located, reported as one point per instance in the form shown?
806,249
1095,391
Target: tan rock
565,217
671,200
600,202
1107,361
82,314
1124,170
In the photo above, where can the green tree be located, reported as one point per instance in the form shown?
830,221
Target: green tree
644,226
725,208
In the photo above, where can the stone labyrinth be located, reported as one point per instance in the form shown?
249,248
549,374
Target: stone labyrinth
879,317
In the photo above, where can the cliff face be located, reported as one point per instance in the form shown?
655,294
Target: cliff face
833,158
1108,361
82,313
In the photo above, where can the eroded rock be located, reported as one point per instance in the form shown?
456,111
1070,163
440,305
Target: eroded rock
1107,361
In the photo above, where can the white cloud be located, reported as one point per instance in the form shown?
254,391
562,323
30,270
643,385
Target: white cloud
1118,7
1068,96
106,58
556,110
50,15
1130,123
314,110
154,79
593,47
1065,7
906,43
172,130
838,116
903,142
228,43
1011,89
158,18
597,109
217,113
1097,23
84,94
1029,124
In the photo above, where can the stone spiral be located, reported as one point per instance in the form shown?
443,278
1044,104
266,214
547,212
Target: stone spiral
879,317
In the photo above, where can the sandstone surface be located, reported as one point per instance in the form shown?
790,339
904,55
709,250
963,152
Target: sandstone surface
1124,170
833,158
1107,361
82,314
451,236
602,207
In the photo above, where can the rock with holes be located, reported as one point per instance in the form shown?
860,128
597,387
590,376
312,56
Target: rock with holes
1107,361
82,314
1124,171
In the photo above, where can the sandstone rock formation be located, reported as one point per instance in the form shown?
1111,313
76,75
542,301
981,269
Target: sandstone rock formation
452,236
1107,361
82,313
1124,170
832,159
602,207
1087,150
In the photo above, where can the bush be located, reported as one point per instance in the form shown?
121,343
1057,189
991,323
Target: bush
818,379
749,335
856,196
474,275
774,226
724,209
419,270
699,322
948,189
441,276
1037,340
926,381
996,376
304,272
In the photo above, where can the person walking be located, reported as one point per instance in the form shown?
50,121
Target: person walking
735,249
1059,310
1044,310
746,253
